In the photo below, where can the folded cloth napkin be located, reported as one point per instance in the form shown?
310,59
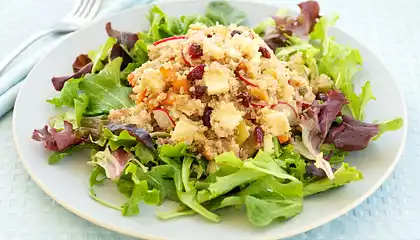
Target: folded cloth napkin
11,79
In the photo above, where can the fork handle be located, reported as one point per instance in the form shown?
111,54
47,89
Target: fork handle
9,58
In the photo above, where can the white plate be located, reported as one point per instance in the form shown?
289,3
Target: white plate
67,182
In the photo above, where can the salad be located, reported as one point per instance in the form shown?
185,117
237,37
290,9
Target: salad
211,113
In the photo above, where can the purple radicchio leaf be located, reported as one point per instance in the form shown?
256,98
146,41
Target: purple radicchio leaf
124,38
315,125
139,133
80,61
288,26
58,82
328,110
351,134
54,140
313,171
118,51
113,163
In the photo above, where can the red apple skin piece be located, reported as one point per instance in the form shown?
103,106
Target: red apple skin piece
163,113
259,104
168,39
188,63
244,79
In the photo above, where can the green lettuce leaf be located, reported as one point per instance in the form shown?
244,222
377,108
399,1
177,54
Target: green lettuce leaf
342,176
105,91
223,13
268,199
262,212
391,125
100,54
172,151
139,53
341,63
68,94
228,159
263,162
336,156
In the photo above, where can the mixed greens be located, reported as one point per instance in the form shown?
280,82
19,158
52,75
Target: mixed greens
270,186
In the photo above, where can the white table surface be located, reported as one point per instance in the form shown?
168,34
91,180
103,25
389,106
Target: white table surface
389,28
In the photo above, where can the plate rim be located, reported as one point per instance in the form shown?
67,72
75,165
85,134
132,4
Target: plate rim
292,232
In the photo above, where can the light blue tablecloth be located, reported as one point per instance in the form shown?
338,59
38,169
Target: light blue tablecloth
389,28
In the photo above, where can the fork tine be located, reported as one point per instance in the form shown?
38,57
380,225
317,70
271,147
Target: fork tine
94,10
87,8
76,6
81,8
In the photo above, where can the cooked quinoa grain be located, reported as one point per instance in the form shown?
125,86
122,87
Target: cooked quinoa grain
215,87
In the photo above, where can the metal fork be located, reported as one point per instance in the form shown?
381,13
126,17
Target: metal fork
82,12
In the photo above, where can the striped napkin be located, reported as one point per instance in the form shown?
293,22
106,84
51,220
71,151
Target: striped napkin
12,78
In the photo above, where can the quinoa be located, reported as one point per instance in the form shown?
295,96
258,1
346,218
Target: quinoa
242,81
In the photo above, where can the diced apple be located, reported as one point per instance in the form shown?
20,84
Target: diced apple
225,118
152,80
290,111
259,94
276,122
186,130
242,133
216,79
163,119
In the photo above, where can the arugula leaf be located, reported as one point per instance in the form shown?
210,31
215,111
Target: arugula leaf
262,212
189,199
391,125
98,171
342,176
100,54
144,154
105,91
185,174
223,13
139,193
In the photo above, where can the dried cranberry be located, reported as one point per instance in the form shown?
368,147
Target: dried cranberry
209,35
234,32
196,73
259,134
322,96
246,98
198,92
206,116
264,51
195,50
